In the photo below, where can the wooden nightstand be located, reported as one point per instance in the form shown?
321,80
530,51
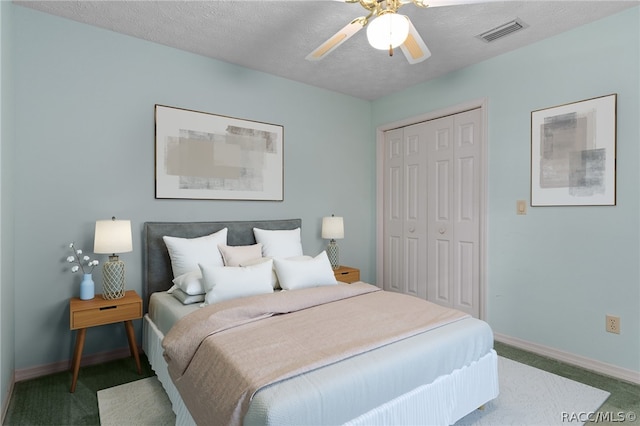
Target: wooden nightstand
347,274
98,311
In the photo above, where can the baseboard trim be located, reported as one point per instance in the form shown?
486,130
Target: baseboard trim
569,358
56,367
7,398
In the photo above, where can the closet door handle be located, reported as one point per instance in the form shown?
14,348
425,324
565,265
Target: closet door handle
412,229
442,230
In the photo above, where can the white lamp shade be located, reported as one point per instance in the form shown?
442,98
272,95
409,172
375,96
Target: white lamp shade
112,236
388,31
332,228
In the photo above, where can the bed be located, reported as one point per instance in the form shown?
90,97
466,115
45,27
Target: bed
433,376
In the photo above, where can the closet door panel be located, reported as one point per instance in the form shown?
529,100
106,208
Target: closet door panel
412,265
440,207
466,239
465,293
393,269
441,291
393,211
442,187
415,223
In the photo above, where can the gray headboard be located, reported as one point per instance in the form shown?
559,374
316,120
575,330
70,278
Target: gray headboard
157,265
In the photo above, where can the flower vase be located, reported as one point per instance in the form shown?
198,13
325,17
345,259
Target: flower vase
87,287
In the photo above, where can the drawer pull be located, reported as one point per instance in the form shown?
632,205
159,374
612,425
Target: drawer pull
108,307
343,273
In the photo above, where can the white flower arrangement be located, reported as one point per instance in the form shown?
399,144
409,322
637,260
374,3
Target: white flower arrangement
76,259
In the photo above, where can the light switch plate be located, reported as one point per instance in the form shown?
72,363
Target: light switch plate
521,207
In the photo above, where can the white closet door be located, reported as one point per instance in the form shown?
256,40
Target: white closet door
454,208
405,211
393,211
440,224
431,226
415,208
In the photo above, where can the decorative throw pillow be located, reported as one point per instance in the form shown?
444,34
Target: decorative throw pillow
187,253
258,261
279,243
295,274
235,255
231,282
274,276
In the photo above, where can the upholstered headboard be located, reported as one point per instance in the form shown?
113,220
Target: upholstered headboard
157,265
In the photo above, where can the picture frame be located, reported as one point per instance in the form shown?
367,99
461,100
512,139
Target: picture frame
200,155
573,154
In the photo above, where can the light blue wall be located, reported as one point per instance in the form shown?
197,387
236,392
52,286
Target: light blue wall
555,273
85,151
7,332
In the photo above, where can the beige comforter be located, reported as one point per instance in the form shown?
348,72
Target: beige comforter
220,355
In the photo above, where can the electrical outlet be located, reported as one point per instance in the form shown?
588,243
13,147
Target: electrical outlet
613,324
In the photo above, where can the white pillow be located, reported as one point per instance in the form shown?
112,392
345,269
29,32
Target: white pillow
230,282
274,276
295,274
235,255
260,260
279,243
187,253
190,283
187,299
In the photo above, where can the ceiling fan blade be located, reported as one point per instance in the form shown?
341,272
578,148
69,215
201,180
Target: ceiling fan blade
337,39
414,48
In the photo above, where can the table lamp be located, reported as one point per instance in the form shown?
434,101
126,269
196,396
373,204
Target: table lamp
111,237
332,229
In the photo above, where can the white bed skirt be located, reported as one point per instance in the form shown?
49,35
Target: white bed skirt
152,346
442,402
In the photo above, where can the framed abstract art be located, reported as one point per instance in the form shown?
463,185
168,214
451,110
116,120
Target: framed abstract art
573,154
208,156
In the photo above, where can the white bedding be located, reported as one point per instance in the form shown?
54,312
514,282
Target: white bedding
165,310
431,370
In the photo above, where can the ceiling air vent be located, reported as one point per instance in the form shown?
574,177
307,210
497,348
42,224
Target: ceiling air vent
502,31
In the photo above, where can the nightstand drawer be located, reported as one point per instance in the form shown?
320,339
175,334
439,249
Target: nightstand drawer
347,274
105,315
99,311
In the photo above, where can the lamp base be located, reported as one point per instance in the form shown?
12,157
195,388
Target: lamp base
113,279
333,254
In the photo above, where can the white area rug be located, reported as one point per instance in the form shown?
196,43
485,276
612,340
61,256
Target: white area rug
143,402
528,397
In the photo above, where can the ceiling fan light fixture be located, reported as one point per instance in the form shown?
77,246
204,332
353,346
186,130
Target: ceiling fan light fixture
388,30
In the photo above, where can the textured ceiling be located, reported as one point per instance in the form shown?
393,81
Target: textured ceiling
276,36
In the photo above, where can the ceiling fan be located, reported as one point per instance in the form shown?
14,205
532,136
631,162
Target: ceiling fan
387,29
